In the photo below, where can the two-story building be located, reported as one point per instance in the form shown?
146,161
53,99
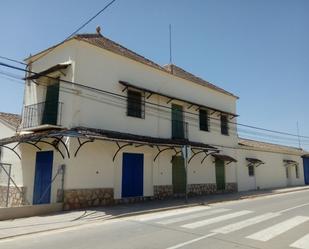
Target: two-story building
102,124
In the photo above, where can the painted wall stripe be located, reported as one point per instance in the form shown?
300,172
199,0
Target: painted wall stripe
302,243
273,231
164,214
245,223
216,219
192,216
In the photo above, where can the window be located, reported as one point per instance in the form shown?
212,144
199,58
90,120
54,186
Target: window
136,105
296,171
287,171
204,123
251,170
224,125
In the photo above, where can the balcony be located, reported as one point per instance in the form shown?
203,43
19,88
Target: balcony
43,114
179,130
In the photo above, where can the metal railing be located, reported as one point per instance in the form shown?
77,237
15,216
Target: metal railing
41,114
179,130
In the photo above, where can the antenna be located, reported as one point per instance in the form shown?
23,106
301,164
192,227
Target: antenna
170,31
298,135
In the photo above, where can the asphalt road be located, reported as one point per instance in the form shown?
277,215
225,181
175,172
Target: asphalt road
280,221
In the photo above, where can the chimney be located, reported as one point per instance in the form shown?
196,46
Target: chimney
98,30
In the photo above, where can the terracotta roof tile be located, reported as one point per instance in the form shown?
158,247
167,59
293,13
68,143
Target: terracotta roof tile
270,147
12,119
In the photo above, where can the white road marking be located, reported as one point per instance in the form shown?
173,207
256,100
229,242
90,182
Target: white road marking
302,243
292,208
191,241
273,231
192,216
245,223
216,219
164,214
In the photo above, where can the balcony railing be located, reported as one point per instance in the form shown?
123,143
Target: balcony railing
43,113
179,130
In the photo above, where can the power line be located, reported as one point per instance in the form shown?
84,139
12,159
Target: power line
12,60
77,30
146,102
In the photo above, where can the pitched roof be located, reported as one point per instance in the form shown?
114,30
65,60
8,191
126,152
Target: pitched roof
270,147
181,73
102,42
10,118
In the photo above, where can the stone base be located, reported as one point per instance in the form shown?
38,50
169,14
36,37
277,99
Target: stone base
161,192
16,198
202,189
231,187
82,198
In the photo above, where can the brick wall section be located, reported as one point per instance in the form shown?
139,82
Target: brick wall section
16,198
231,187
161,192
201,189
82,198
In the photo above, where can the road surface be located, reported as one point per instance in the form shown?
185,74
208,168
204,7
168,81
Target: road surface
280,221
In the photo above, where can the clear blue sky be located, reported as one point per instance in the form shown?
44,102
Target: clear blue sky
257,49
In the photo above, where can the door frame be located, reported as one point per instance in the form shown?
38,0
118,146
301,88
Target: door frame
38,192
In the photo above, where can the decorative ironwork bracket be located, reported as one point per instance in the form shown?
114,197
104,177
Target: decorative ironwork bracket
196,153
119,149
160,151
64,145
208,154
81,145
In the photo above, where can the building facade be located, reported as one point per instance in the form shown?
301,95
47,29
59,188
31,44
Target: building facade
103,125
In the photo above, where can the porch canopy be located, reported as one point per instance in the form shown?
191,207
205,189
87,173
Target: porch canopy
290,162
55,138
254,162
225,158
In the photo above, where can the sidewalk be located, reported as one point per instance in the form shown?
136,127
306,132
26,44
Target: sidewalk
62,220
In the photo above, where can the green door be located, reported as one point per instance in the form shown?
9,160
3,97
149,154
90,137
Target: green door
177,122
220,174
178,175
50,111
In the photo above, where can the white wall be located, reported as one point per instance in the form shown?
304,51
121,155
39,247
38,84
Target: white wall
102,69
9,156
269,175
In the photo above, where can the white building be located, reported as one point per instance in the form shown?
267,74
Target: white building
102,124
10,164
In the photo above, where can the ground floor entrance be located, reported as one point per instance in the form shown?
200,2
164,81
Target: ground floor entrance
132,175
220,174
43,177
306,170
178,175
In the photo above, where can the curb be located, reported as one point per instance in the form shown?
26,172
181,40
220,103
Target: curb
155,210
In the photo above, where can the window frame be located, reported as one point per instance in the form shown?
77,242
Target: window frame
132,110
296,171
205,126
224,124
251,170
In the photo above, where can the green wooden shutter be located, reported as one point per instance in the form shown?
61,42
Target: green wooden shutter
178,175
50,111
177,122
203,114
220,174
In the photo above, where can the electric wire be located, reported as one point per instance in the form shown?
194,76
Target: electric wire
124,98
76,31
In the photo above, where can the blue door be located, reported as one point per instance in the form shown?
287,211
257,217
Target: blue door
132,174
306,170
43,176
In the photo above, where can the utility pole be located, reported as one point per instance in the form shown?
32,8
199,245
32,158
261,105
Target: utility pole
299,145
186,154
